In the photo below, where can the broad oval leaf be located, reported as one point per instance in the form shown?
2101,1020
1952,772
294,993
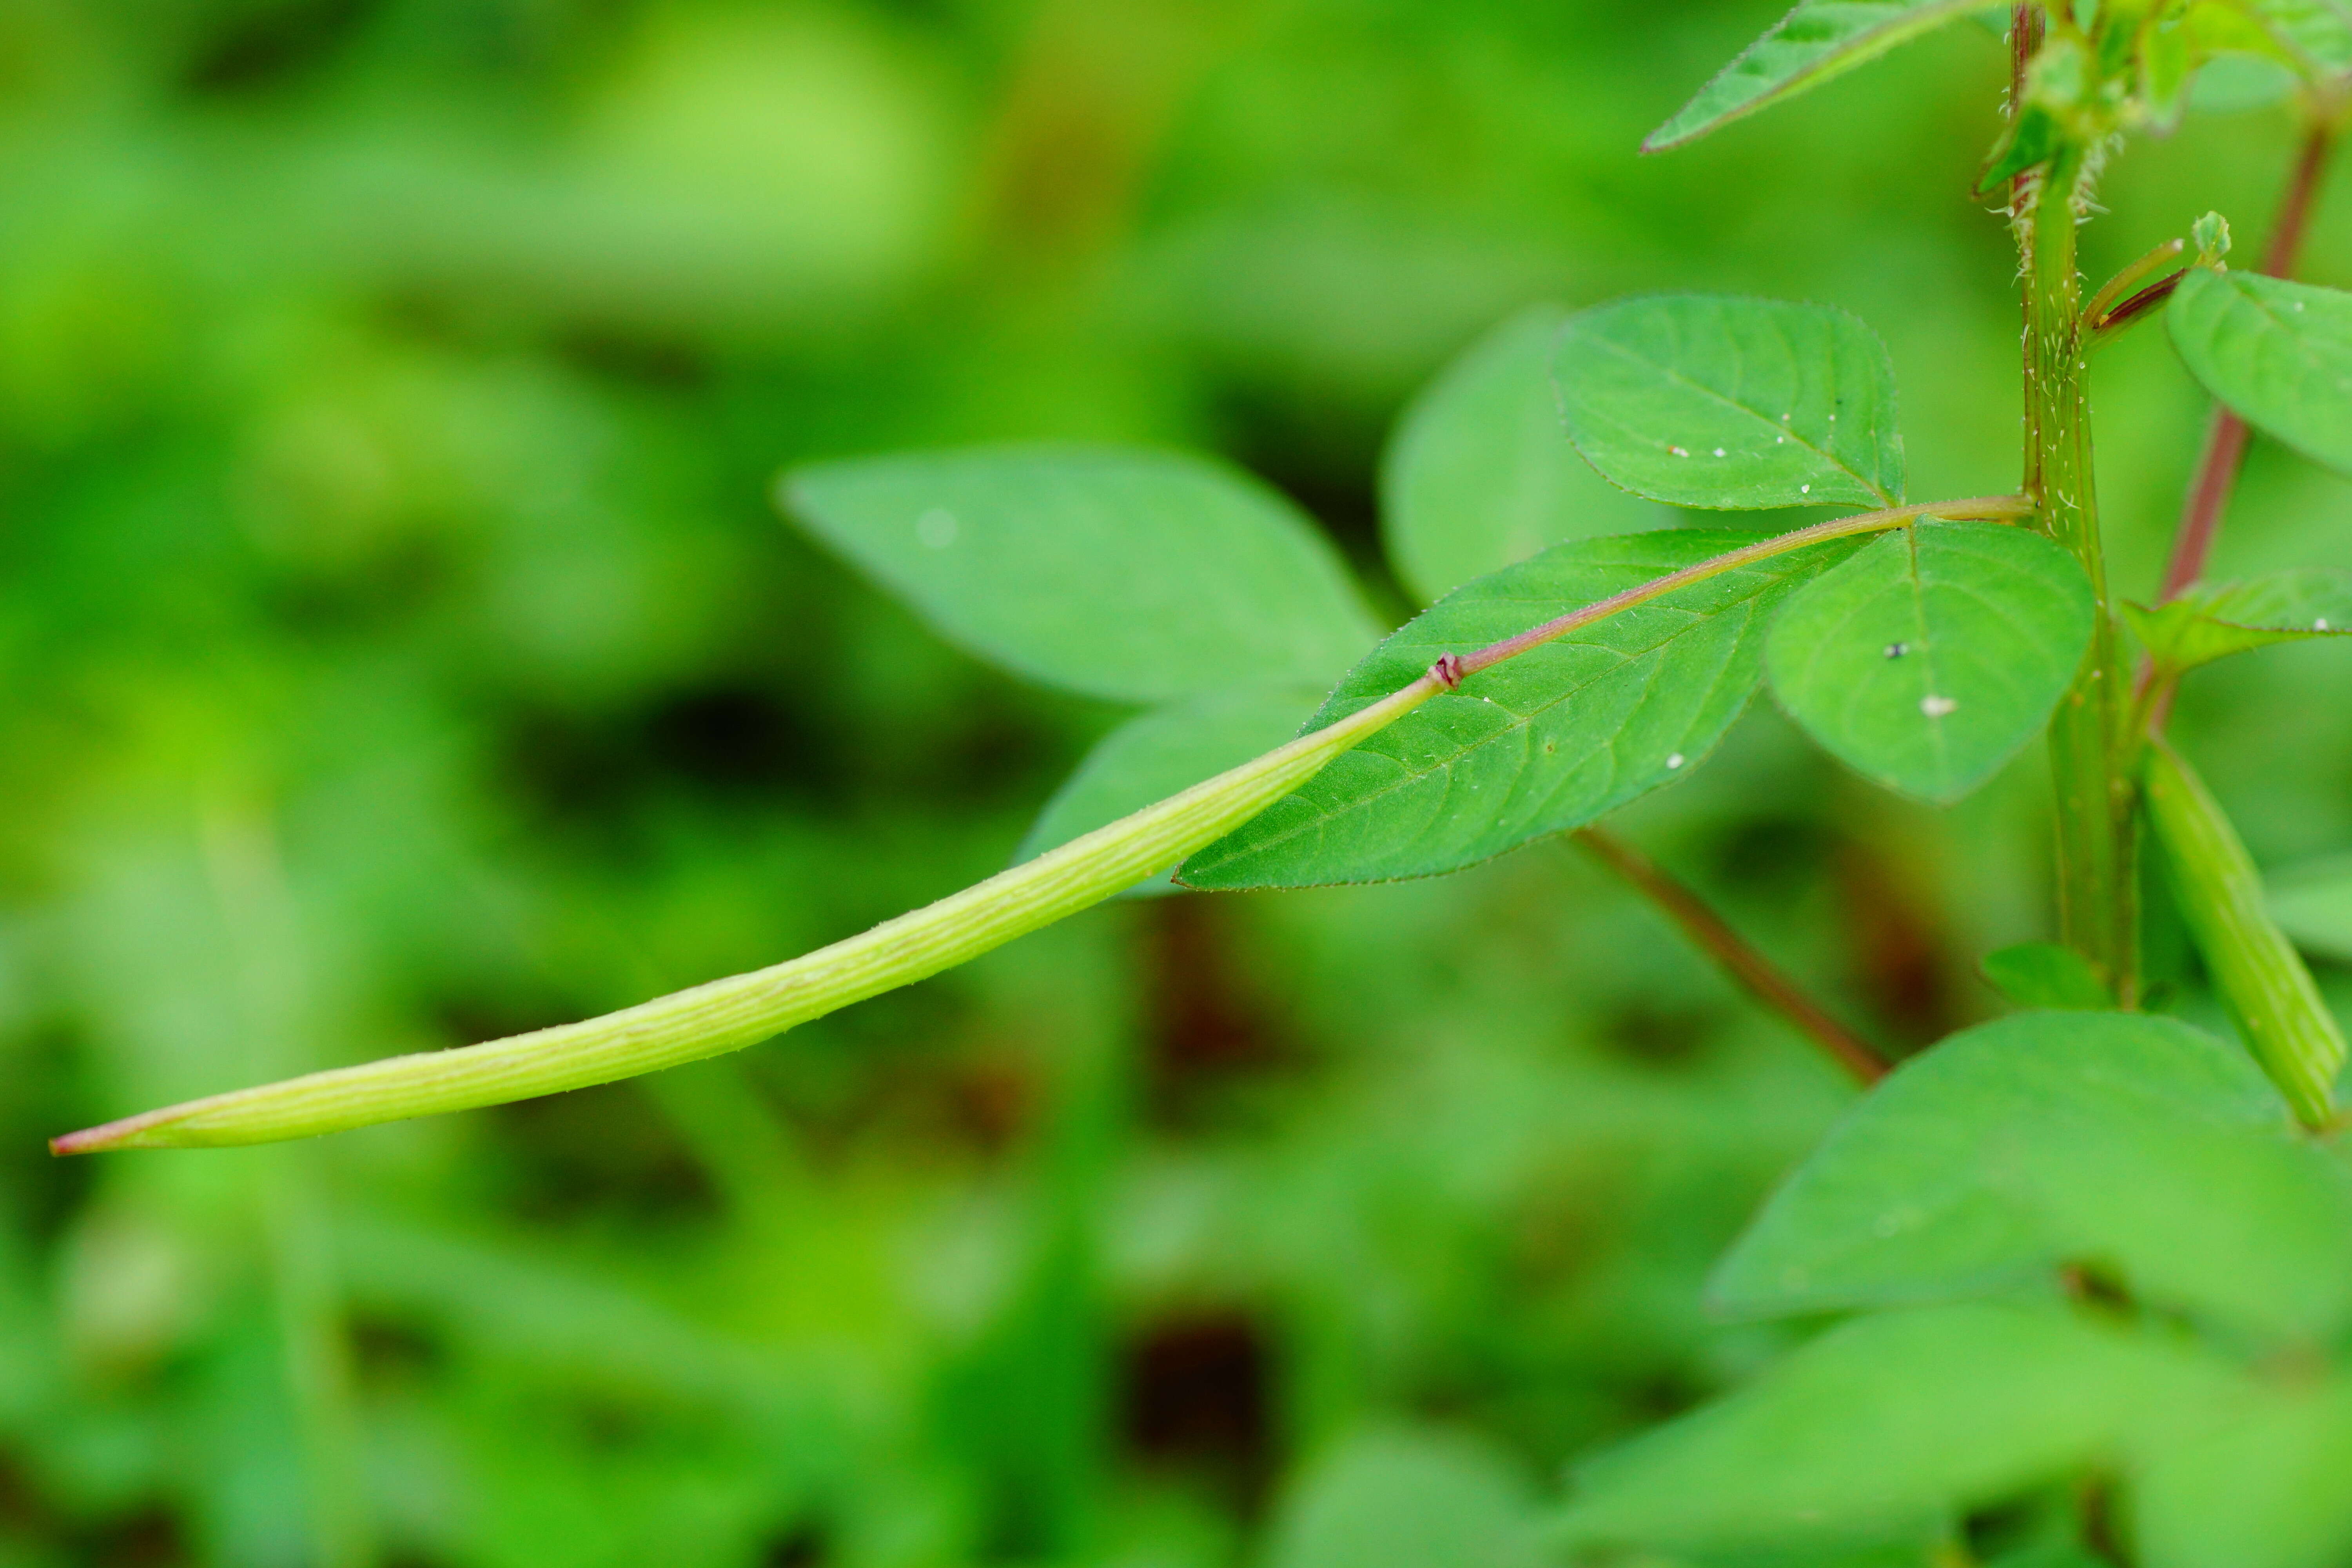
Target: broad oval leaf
1929,659
2208,623
1130,574
1730,403
2280,353
1548,740
1818,40
1481,474
2135,1143
1154,755
1898,1419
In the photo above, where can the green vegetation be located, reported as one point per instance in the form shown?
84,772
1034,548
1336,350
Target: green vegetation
397,390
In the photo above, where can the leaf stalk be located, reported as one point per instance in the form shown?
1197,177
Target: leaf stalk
1766,982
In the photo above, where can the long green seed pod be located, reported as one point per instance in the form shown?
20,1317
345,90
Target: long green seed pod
728,1014
2261,977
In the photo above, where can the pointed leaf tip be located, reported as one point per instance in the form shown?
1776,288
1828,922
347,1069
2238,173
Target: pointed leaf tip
1818,40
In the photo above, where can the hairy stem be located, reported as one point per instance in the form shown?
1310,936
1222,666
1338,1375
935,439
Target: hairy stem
2225,442
1754,972
727,1014
2098,902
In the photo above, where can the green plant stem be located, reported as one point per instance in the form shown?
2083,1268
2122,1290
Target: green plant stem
2098,902
727,1014
1754,972
2256,969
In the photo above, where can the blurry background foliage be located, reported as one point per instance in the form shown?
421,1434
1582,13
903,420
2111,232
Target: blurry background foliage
397,648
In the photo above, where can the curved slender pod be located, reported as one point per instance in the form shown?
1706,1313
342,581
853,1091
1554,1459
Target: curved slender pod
727,1014
2257,970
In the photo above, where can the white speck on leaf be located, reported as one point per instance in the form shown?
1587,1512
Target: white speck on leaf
937,528
1936,707
1676,760
1678,452
1804,489
2320,625
1719,451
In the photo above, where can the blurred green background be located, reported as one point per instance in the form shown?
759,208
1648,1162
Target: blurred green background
397,647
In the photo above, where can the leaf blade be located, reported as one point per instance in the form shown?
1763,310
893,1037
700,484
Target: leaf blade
1129,574
1818,40
2208,623
1930,658
2277,352
2131,1141
1480,473
1731,403
1899,1418
1549,739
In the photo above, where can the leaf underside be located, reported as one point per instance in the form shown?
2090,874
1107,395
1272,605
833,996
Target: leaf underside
1732,403
2210,623
1813,43
1156,754
2132,1142
1929,659
1480,473
1548,741
1130,574
2279,353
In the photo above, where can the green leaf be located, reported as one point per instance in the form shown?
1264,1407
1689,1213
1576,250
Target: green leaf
2042,975
2133,1143
1130,574
2317,35
1818,40
2280,353
2314,905
2236,83
1480,473
1545,741
2259,975
1902,1418
1155,755
2263,1489
1406,1500
2208,623
1929,659
1733,405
